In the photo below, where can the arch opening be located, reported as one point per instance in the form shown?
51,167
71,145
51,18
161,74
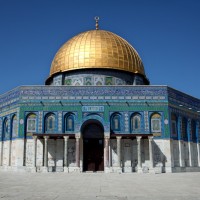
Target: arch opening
93,146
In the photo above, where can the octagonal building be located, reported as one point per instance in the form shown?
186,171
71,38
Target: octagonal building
98,112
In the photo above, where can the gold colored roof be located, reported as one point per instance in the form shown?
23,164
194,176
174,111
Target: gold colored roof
97,49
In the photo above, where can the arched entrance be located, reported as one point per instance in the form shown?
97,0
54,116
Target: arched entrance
93,146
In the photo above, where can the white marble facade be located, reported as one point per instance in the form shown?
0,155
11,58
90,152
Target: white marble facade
168,155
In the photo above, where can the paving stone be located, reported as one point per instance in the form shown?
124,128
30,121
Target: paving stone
99,186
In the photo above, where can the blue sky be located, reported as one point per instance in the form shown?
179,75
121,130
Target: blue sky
166,34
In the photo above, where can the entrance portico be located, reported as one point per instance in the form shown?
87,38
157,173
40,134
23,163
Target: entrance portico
91,151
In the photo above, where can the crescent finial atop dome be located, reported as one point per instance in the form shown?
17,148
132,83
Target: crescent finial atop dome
97,22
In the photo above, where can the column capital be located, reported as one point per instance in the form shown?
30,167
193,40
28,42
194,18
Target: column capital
150,138
35,137
119,137
106,137
78,134
66,137
138,138
77,137
46,137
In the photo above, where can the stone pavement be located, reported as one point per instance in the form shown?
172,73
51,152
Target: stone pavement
99,186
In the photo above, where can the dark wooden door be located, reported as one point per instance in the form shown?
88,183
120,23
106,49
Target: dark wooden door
93,155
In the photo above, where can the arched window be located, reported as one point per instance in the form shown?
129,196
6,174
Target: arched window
69,122
115,122
184,128
50,123
174,124
156,123
193,131
136,122
5,129
31,123
14,130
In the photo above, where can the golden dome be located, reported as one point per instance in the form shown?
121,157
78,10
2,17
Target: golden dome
97,49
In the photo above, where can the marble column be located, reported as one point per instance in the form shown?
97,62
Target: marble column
151,151
2,143
78,151
139,166
197,143
181,161
119,150
46,151
34,150
9,152
66,138
106,152
190,153
198,154
181,164
189,143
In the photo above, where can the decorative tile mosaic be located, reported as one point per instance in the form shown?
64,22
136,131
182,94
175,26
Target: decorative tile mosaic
88,80
57,80
123,99
9,112
62,91
146,120
8,135
108,80
92,79
126,121
68,81
183,99
183,112
98,80
119,81
17,114
40,121
77,81
60,121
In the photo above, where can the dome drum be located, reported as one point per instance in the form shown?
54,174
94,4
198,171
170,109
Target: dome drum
96,77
